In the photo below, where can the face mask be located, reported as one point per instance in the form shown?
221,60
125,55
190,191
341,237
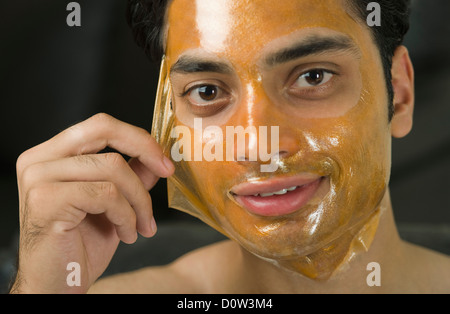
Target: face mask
181,187
334,158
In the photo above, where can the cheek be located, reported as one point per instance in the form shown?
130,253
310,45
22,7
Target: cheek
213,179
360,141
359,145
212,173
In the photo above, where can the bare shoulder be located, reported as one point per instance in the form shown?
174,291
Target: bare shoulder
194,272
431,268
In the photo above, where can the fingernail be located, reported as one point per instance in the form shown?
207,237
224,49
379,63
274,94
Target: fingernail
153,226
168,164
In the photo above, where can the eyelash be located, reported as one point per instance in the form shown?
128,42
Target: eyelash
313,91
213,106
316,70
190,89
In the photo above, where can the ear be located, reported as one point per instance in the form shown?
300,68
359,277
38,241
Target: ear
403,84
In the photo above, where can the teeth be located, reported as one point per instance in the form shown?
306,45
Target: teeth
266,194
280,192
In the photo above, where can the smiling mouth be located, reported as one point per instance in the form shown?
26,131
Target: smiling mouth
277,197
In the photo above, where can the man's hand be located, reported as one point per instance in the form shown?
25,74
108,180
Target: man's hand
76,205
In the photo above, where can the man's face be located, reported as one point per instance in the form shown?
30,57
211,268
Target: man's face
312,70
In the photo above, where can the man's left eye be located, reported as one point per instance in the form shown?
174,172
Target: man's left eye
313,78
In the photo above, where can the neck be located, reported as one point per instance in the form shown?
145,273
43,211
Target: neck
334,269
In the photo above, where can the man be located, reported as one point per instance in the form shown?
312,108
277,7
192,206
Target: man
338,91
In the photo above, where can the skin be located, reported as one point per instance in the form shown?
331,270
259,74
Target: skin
73,201
337,130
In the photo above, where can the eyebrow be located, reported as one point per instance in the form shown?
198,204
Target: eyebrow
192,64
313,45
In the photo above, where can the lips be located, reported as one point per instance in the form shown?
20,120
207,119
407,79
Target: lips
278,196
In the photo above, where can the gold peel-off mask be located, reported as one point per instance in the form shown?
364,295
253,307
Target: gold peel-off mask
336,132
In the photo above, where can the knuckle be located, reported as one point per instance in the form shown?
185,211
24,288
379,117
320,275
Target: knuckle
109,190
91,189
37,197
132,220
95,125
101,124
100,190
114,160
29,175
102,118
22,161
86,160
138,189
127,219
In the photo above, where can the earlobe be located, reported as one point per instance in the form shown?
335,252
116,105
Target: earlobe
403,84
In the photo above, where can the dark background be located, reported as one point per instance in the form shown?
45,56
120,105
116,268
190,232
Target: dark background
53,76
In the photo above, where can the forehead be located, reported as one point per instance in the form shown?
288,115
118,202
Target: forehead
240,30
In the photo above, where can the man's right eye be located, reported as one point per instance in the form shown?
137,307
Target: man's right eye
203,94
206,99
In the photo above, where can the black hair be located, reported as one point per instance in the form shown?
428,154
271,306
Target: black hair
146,19
388,36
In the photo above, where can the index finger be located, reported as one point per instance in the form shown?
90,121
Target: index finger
96,133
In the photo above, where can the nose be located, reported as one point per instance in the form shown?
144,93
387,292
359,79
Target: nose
271,132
